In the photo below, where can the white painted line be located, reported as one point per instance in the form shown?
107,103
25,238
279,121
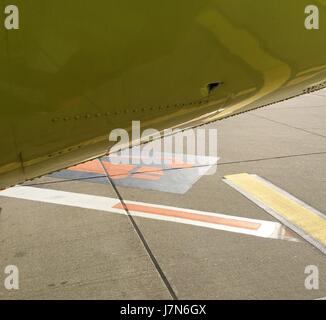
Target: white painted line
253,227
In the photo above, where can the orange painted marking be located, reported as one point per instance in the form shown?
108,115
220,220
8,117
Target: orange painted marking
150,170
148,173
116,171
176,165
122,171
93,166
142,176
190,216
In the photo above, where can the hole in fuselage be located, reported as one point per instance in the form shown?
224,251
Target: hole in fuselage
212,86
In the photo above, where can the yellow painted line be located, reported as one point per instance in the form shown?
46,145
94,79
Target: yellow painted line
297,215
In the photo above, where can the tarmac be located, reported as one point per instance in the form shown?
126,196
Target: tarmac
80,251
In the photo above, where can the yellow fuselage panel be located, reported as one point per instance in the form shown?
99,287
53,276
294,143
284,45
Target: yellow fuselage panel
75,70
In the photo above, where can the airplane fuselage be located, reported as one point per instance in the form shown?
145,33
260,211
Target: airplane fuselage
75,70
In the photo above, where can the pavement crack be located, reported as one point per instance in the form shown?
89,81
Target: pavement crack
177,169
140,235
287,125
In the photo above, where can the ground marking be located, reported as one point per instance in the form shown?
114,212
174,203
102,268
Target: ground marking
253,227
297,215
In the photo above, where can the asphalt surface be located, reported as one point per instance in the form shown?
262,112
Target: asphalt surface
74,253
